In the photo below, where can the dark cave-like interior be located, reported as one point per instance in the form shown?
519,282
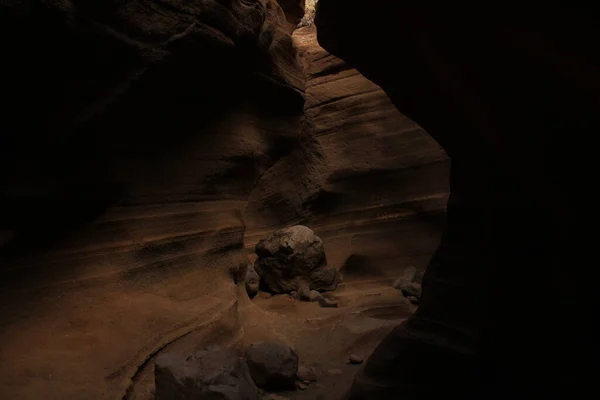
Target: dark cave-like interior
289,199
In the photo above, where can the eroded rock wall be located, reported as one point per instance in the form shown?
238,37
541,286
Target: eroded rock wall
133,136
368,180
146,143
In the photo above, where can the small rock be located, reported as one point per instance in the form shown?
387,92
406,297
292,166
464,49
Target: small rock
294,295
304,292
272,365
306,374
306,382
411,289
398,282
354,359
334,372
410,281
301,386
327,302
252,281
314,296
413,299
213,373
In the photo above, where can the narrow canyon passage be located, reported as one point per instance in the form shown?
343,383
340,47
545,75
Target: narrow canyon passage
189,186
122,222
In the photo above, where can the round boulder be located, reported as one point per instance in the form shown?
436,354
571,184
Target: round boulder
293,259
218,373
272,365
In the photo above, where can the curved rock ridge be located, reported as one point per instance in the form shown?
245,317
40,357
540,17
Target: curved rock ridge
136,132
369,181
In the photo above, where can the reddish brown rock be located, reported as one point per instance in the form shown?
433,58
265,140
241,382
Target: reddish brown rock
372,183
134,135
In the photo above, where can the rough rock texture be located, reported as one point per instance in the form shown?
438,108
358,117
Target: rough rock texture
272,365
134,134
216,373
371,182
293,259
498,91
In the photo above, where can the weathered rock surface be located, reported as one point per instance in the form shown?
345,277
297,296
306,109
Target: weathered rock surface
208,374
293,259
370,181
272,365
126,165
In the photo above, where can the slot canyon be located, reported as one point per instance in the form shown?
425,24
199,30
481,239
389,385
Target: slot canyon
244,199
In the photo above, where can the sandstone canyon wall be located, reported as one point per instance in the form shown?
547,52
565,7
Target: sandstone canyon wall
370,181
134,134
147,145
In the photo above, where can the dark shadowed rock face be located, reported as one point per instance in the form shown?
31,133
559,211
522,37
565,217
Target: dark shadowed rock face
294,10
484,87
293,259
136,131
272,365
208,374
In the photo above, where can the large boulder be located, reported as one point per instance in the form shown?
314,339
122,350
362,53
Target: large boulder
208,374
293,259
272,365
